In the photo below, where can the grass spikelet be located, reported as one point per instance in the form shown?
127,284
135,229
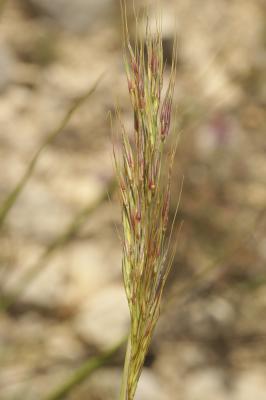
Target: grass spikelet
144,193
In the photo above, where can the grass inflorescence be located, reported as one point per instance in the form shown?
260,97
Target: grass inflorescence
144,173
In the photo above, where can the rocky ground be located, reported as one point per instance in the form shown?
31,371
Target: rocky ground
210,340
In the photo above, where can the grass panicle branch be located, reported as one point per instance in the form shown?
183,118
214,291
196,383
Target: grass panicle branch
144,177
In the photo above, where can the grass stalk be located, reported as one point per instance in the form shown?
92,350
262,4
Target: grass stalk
123,390
13,195
71,230
84,372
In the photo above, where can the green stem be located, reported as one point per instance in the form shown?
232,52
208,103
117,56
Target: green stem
124,384
7,301
15,192
83,372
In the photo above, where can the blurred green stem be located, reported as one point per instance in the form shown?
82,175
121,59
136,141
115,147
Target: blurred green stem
12,197
124,391
55,245
82,373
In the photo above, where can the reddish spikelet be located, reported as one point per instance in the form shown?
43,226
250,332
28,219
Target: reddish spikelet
135,68
154,64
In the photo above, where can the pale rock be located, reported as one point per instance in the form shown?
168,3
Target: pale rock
221,312
104,319
251,385
62,346
38,212
205,385
149,387
106,383
74,275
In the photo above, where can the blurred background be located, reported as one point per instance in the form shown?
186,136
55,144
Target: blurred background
61,294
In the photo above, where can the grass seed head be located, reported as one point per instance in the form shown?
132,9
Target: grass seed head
144,194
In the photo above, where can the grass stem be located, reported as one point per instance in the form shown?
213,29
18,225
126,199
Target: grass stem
13,195
124,391
83,372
